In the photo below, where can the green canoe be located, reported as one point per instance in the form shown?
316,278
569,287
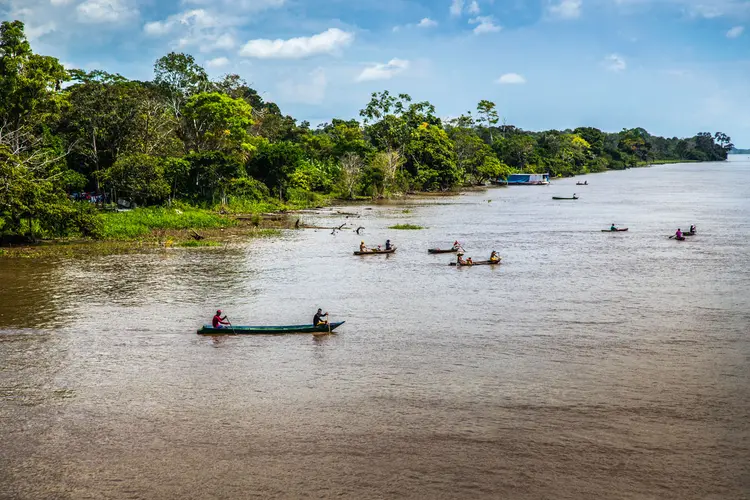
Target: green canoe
267,330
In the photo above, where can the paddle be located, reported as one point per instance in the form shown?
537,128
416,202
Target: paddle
230,325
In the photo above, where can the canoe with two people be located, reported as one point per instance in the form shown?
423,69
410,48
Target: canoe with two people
319,325
363,250
585,183
460,261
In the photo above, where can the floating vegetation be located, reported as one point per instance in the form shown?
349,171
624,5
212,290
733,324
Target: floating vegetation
406,227
201,243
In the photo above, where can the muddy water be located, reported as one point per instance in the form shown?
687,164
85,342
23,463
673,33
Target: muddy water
588,365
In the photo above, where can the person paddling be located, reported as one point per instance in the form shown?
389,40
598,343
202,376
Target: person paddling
693,229
318,318
613,227
362,247
494,257
678,234
219,321
460,259
456,245
388,244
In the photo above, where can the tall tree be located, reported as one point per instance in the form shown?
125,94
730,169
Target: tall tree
488,115
179,77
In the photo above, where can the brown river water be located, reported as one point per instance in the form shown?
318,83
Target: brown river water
589,365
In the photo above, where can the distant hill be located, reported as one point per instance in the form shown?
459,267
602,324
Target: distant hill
740,152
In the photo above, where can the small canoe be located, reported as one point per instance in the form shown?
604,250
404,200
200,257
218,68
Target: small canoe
681,238
688,234
614,230
438,250
581,184
267,330
477,263
376,252
563,198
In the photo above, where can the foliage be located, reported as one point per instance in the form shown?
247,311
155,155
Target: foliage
406,227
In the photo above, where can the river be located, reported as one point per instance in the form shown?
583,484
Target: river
589,365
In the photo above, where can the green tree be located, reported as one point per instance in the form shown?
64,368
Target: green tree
179,77
432,159
274,163
217,122
488,115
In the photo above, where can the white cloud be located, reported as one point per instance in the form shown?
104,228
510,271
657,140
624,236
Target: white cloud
735,32
566,9
217,62
614,62
383,71
38,31
457,7
198,18
511,79
199,28
473,8
312,90
327,42
427,23
485,24
105,11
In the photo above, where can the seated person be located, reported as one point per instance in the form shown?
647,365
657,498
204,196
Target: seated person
218,321
678,234
613,228
318,318
460,259
362,247
388,244
494,257
456,245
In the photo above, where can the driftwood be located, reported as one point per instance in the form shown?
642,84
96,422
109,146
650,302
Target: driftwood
195,235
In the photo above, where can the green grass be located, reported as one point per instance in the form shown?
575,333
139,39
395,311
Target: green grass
406,227
196,244
142,221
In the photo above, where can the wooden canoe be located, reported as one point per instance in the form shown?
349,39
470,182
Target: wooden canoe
266,330
614,230
376,252
563,198
477,263
438,250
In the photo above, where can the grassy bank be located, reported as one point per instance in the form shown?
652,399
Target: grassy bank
141,222
664,162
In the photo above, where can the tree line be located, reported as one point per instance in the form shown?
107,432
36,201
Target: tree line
183,136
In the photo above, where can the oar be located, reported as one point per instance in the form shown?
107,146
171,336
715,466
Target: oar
673,237
230,325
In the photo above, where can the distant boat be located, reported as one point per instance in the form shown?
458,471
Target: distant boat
526,180
439,250
614,230
564,198
582,183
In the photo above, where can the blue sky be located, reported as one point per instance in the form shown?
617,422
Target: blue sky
674,67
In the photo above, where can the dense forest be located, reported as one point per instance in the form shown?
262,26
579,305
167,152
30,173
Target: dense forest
185,138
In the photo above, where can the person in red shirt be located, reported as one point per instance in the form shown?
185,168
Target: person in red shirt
218,321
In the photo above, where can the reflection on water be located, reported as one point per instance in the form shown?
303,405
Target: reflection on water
587,365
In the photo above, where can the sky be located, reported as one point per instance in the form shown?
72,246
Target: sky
673,67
